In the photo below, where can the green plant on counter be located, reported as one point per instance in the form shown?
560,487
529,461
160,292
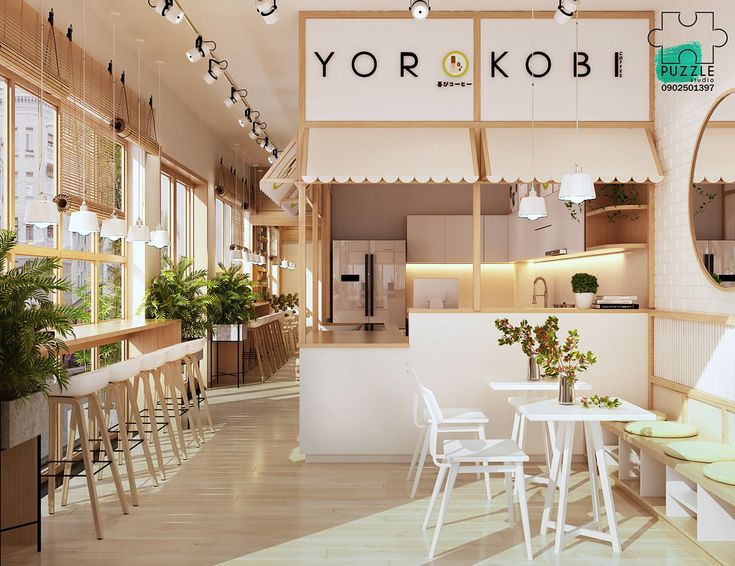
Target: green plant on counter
584,283
231,297
179,293
559,360
32,326
602,401
285,303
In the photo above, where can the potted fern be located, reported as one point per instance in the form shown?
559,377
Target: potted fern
231,299
179,293
33,329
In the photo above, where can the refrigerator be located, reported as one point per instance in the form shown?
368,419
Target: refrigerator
369,281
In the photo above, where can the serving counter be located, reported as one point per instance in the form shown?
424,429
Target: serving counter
143,335
357,402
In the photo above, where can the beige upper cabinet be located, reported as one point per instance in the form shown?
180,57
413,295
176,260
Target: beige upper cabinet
426,239
458,239
494,239
566,232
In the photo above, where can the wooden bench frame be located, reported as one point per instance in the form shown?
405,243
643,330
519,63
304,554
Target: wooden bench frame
677,491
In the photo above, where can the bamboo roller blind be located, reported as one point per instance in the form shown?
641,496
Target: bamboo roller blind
20,52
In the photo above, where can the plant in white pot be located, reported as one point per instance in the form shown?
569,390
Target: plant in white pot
584,287
231,299
32,332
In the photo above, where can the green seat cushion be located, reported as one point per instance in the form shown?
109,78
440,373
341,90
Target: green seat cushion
661,429
701,451
723,472
660,416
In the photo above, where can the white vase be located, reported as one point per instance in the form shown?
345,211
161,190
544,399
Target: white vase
584,300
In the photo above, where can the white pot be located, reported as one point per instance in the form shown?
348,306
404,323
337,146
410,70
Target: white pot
584,300
23,419
228,332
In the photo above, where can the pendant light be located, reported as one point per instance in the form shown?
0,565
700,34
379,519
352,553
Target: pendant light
159,236
113,228
577,187
532,206
84,222
139,232
41,212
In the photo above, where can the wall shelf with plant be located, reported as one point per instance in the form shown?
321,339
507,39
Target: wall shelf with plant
618,216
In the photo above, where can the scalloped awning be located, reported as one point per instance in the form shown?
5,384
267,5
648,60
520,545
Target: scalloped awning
608,154
716,155
390,155
280,180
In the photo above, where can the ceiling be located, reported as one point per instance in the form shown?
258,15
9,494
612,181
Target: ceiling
263,59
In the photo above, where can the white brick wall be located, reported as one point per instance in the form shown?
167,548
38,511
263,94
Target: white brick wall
680,283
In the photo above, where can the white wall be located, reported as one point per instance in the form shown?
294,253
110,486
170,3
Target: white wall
680,283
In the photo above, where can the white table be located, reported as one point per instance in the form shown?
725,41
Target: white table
567,416
540,388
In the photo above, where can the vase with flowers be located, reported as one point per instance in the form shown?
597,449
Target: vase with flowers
559,359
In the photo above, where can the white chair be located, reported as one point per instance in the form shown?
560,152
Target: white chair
81,387
472,456
454,420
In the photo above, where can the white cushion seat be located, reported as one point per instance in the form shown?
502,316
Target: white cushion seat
152,360
463,416
195,346
176,352
83,384
491,450
122,371
723,472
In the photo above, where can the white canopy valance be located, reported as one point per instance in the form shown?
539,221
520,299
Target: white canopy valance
389,155
280,180
716,156
608,154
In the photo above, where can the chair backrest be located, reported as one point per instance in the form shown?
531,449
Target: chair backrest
436,416
418,413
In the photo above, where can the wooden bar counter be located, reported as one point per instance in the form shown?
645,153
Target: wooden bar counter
142,335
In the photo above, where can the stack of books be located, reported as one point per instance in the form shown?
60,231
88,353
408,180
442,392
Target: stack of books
616,302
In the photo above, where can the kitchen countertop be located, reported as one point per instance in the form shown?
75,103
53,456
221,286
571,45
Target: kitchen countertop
527,310
391,337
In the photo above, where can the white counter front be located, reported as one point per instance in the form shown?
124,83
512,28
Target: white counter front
357,403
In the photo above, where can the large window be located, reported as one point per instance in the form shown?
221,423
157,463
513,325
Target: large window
95,267
223,231
177,214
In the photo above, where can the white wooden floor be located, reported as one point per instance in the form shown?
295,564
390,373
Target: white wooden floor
247,496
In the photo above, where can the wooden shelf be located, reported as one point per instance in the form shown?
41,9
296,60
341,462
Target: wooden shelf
622,207
590,252
626,247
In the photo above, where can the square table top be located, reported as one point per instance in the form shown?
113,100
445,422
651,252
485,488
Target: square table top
551,410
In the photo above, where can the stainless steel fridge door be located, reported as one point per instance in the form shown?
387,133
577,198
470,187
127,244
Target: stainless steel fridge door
349,281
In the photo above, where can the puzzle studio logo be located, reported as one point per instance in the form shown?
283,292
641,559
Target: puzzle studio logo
685,52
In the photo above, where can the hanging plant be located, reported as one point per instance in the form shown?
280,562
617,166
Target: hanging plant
619,194
707,199
575,209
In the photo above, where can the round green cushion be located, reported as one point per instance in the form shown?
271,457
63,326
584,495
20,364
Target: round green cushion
701,451
661,429
723,472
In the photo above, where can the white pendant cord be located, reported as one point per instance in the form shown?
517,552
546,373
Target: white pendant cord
141,191
84,100
41,192
576,84
113,140
159,108
533,100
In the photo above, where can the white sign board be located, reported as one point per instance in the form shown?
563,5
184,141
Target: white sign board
389,69
614,69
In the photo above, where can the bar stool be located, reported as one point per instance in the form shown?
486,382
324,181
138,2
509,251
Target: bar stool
180,390
197,384
472,456
82,387
453,420
150,373
125,401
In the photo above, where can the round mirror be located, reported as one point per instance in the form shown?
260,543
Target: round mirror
712,193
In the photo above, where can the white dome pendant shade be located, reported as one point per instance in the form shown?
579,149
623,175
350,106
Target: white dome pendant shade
83,222
577,187
139,232
532,206
113,228
42,213
159,238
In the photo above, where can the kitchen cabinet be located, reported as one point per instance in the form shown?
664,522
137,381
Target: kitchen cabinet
426,239
458,239
566,232
495,238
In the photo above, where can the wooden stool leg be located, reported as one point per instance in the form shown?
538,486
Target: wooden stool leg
191,381
77,415
166,417
70,439
148,395
53,442
114,392
94,408
128,385
197,374
192,414
169,382
259,353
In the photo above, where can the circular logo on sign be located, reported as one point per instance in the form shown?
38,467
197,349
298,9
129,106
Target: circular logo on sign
455,64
